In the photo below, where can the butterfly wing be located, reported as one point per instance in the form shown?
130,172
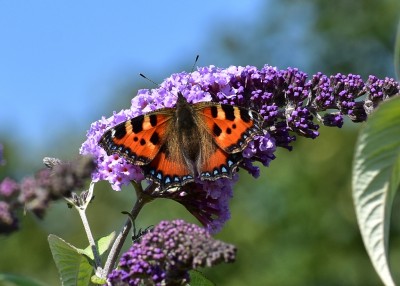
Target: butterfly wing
232,127
150,141
139,139
219,165
147,140
168,170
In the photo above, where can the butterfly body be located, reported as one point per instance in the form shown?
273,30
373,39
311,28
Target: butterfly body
175,146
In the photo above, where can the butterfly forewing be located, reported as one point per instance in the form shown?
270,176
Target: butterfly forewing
139,139
232,127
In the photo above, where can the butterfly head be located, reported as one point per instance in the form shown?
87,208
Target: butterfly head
181,97
181,101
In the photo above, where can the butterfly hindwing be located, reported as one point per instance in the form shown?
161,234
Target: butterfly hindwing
168,171
139,139
220,165
232,127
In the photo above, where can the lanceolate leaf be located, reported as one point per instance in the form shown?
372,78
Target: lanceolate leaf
17,280
376,177
397,53
102,244
74,268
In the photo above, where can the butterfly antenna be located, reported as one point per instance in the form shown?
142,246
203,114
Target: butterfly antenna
194,64
152,81
158,85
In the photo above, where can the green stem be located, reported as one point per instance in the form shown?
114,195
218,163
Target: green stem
81,203
92,243
141,200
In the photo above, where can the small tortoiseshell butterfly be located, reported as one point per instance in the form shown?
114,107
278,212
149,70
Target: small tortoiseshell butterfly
174,146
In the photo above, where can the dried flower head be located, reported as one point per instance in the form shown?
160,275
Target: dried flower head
35,193
9,189
56,181
8,220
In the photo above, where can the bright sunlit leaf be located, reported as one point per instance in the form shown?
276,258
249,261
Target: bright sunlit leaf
74,268
376,178
102,244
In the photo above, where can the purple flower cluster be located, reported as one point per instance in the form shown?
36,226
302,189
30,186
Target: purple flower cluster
166,254
36,192
378,90
208,201
287,100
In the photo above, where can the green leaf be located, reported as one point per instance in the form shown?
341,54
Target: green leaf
74,268
198,279
376,178
102,244
18,280
98,281
397,53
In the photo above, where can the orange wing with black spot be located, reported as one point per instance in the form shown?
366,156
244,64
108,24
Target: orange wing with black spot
151,141
139,139
231,127
143,141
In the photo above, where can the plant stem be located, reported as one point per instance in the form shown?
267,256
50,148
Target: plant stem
81,202
141,200
92,243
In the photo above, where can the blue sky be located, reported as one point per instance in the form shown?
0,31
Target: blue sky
61,59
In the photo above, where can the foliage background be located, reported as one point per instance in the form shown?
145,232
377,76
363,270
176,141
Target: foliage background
295,225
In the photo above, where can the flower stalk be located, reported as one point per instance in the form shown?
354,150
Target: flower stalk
141,199
81,203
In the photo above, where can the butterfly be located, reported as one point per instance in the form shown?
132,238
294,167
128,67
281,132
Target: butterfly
176,146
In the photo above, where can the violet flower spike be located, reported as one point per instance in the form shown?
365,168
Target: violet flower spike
164,255
285,98
206,201
291,104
